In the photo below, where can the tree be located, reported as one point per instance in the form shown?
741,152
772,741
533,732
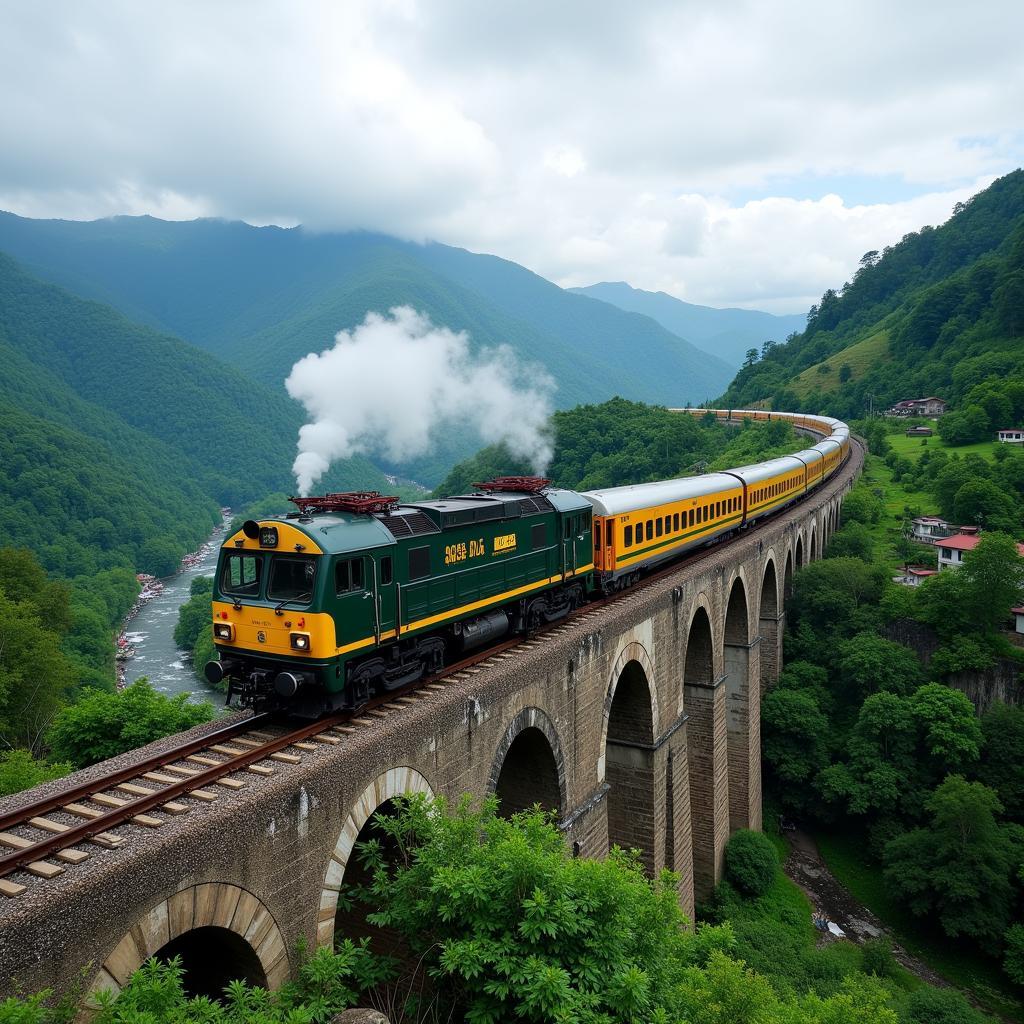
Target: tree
19,770
750,358
750,862
950,733
845,373
102,725
868,663
1002,757
34,675
958,868
984,503
795,742
853,541
837,595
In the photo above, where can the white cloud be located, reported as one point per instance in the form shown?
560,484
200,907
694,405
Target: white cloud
589,141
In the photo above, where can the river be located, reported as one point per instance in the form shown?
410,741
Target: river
151,634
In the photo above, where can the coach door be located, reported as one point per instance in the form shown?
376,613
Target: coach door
356,605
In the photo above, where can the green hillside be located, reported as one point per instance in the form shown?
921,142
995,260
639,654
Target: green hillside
939,313
726,333
263,297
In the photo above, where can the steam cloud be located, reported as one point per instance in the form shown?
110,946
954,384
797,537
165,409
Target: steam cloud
395,383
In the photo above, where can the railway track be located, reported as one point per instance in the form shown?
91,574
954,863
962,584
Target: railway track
46,836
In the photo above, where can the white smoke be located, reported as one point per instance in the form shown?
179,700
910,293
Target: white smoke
395,383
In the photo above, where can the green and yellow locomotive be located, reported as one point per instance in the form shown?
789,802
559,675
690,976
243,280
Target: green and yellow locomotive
358,593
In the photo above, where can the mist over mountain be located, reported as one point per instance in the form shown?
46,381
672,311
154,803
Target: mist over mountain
724,333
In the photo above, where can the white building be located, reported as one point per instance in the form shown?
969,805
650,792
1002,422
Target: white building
1014,435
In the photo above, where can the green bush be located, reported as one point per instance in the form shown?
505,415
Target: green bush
940,1006
102,725
750,862
877,958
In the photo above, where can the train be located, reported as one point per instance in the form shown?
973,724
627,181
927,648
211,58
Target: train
355,594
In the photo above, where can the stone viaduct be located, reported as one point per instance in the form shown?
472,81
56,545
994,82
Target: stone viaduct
638,722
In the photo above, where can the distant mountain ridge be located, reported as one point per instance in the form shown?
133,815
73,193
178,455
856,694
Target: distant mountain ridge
724,333
261,298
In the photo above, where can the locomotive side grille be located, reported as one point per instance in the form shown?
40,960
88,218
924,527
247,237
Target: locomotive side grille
412,524
535,503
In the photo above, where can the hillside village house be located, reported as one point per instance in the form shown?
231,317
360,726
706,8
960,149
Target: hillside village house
1012,436
914,576
953,549
919,407
919,431
929,529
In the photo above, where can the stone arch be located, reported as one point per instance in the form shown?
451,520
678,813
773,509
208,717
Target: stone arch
699,662
768,604
395,782
742,709
636,652
811,545
535,748
798,552
628,761
737,611
787,579
217,910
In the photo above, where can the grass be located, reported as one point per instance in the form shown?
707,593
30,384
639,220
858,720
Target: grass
861,357
911,447
963,966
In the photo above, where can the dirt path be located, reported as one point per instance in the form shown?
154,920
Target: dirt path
831,900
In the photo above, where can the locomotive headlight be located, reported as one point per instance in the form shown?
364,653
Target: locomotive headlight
300,642
223,631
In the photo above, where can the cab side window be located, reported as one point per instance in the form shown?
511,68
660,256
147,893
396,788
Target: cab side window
348,575
538,536
385,570
628,537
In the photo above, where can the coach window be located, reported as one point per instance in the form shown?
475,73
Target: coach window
668,524
568,527
675,521
628,537
657,527
419,563
609,533
538,536
692,517
650,529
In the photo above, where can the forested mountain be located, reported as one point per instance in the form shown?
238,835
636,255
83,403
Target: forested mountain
119,442
939,313
261,298
725,333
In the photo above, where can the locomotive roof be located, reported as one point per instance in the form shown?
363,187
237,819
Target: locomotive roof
338,532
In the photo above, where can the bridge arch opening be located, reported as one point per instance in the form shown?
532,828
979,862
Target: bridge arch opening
811,553
798,561
344,866
787,579
528,766
706,755
629,765
221,931
742,710
529,775
700,663
769,604
212,957
737,624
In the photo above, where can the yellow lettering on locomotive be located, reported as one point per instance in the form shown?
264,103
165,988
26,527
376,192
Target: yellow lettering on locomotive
505,543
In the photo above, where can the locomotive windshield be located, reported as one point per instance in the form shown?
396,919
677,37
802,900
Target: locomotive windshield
291,579
241,575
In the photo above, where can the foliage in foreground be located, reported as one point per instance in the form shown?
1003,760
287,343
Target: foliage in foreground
510,928
750,862
102,725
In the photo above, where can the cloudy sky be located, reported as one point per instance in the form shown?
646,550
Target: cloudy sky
729,153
